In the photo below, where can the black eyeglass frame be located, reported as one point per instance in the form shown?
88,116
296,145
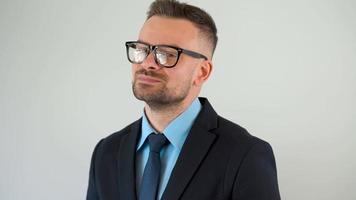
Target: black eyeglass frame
152,48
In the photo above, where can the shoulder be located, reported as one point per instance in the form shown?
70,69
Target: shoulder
235,133
250,160
238,142
251,165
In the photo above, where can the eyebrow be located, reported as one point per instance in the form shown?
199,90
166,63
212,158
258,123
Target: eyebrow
174,45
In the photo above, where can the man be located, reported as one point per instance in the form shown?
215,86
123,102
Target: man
180,148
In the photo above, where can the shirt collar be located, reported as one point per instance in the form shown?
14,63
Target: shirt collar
177,130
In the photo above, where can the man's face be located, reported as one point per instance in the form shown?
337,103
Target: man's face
159,86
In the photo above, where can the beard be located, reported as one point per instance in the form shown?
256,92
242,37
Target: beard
159,96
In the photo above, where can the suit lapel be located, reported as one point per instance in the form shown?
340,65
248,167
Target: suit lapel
190,156
126,163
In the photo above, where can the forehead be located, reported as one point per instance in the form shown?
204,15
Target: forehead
171,31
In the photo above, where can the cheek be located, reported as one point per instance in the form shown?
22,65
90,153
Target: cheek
190,68
195,73
182,77
134,69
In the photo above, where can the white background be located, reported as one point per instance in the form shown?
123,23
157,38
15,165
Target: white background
285,70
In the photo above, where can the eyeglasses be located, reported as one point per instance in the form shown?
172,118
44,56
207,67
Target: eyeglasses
164,55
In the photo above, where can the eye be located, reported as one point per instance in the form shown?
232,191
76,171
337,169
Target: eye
139,54
162,57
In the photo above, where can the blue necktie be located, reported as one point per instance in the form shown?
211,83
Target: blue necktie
151,174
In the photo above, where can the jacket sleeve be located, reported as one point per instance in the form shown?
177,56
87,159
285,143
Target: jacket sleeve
92,192
257,176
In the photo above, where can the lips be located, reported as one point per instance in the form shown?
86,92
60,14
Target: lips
147,79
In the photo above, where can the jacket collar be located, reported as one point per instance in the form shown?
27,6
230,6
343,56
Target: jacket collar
190,156
188,160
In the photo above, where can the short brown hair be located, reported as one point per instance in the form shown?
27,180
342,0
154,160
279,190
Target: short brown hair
175,9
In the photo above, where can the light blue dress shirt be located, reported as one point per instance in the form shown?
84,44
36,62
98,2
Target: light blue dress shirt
176,132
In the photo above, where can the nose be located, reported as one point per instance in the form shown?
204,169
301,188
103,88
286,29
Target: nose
150,63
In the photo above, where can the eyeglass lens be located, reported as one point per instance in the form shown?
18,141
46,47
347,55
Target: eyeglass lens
165,56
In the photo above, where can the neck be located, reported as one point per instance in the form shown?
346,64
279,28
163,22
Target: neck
160,117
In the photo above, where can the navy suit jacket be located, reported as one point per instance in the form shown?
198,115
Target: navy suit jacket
219,161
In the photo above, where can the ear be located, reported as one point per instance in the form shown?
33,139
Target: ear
203,72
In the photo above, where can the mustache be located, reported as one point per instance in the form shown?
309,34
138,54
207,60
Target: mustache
153,74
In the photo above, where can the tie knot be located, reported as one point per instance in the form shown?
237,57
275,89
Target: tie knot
156,142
